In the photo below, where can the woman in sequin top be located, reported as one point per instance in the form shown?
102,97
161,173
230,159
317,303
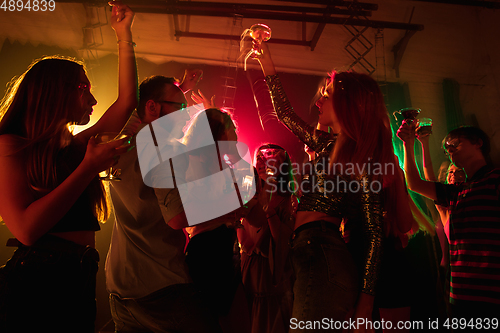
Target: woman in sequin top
342,186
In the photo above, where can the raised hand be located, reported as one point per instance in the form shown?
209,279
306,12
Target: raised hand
122,18
406,132
263,57
422,135
260,50
200,98
191,79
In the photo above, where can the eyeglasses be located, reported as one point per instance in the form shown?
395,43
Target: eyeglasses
456,172
180,105
451,144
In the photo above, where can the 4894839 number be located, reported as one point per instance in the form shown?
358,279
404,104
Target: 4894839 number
29,5
474,323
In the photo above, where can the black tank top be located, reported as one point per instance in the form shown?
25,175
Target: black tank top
81,216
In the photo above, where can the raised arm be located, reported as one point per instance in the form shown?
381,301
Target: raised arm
407,133
315,139
119,112
427,161
201,99
190,80
265,60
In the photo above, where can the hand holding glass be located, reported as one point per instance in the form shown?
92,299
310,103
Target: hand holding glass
424,126
106,137
259,33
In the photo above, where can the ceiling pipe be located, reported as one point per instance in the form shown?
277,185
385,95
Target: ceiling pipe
183,5
350,4
350,8
218,9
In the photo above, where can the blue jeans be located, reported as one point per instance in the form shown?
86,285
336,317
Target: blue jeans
326,284
176,308
49,286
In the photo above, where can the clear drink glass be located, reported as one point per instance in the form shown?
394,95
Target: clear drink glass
111,174
260,33
409,114
424,126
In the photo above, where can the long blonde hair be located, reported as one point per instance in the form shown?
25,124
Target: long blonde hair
38,108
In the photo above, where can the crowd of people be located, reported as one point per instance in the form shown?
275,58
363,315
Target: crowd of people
287,259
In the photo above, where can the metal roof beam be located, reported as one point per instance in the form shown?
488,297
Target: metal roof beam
229,12
224,7
227,9
350,4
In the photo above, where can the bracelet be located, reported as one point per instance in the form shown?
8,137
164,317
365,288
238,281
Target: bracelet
126,41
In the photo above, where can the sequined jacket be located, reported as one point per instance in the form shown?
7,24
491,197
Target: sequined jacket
335,195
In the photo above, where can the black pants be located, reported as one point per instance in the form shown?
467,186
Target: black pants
49,286
213,267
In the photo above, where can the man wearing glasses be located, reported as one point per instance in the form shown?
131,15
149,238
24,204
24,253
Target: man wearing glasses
474,221
146,275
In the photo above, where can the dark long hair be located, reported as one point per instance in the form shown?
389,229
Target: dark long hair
38,108
365,139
